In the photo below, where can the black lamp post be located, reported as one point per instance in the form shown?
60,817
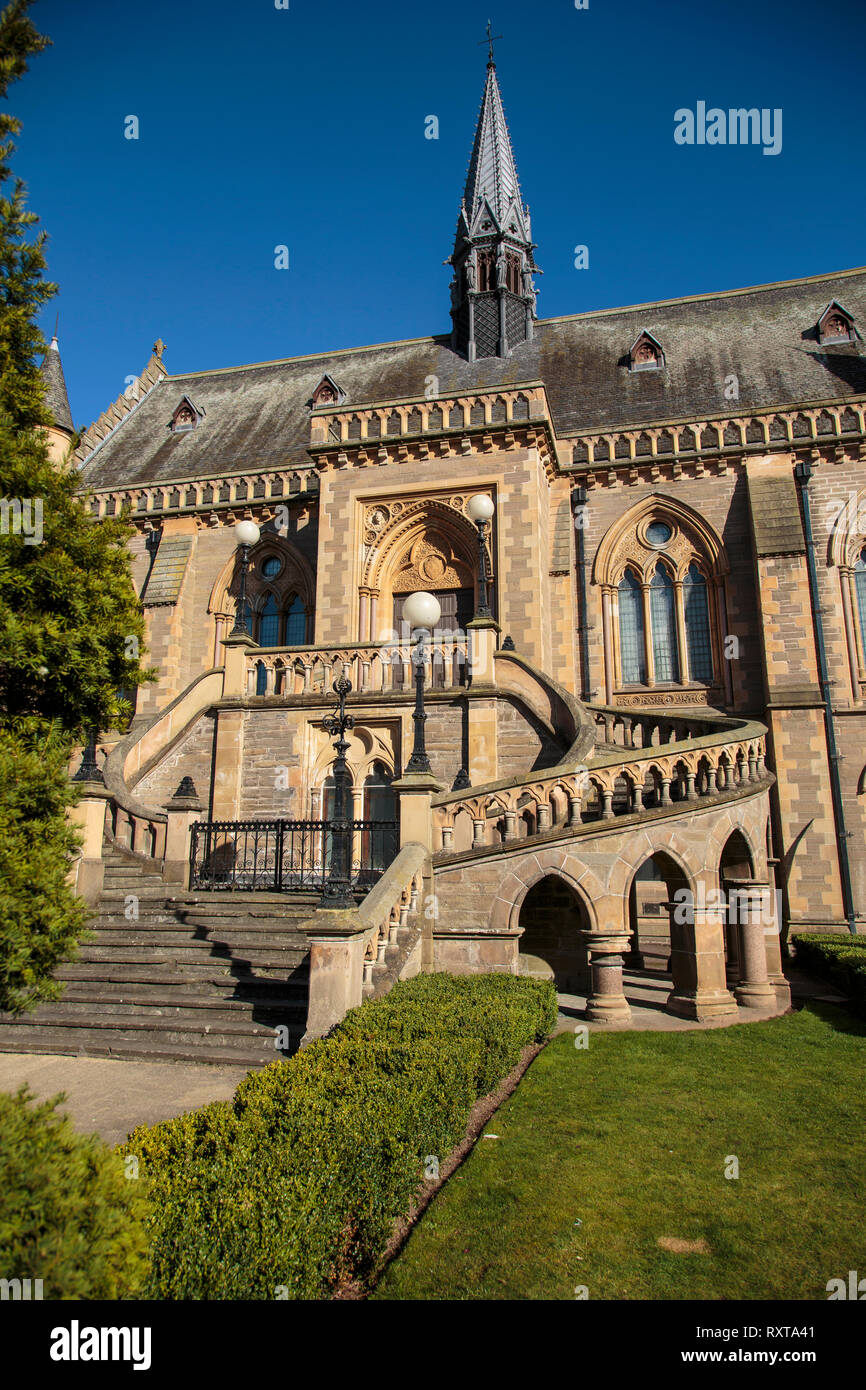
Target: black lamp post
247,534
480,508
338,886
422,611
89,771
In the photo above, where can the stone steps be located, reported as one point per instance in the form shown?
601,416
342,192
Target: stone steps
193,977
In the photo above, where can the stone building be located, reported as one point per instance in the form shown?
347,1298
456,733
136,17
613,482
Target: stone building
651,753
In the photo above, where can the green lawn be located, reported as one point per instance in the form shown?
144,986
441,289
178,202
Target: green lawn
603,1151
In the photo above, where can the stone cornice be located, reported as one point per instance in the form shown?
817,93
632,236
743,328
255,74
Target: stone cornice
421,428
216,500
684,447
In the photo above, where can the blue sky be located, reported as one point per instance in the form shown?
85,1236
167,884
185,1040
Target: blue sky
304,127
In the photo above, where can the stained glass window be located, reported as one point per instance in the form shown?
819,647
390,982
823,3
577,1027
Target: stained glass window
664,626
269,624
631,630
296,623
860,586
697,617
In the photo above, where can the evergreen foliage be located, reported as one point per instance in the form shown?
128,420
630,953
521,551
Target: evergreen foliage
71,626
293,1190
69,1215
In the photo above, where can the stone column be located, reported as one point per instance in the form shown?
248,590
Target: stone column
607,1002
850,635
751,909
698,961
607,635
649,655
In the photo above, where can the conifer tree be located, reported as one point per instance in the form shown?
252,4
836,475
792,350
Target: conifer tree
71,626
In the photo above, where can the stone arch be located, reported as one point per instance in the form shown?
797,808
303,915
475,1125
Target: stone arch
426,544
296,577
523,876
614,551
658,940
551,918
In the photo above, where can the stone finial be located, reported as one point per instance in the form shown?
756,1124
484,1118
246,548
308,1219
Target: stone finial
461,781
508,644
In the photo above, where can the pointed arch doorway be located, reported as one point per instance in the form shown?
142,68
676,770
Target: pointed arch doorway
552,918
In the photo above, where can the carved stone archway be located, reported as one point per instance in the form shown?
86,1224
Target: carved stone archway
428,543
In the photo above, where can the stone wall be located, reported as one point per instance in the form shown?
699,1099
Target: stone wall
191,757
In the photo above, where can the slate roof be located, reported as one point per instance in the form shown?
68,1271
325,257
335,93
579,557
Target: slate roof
56,398
256,417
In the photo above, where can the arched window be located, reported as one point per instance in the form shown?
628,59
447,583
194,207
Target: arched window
296,623
269,624
664,626
697,618
860,589
631,631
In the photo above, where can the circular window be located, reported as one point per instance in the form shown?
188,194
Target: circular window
271,566
658,533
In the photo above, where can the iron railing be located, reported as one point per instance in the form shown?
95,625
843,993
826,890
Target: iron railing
287,856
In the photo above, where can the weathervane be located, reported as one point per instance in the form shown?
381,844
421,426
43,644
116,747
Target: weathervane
491,38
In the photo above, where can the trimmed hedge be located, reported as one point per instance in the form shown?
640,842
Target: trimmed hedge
295,1187
68,1214
839,958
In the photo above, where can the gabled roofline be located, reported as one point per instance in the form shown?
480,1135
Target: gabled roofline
444,339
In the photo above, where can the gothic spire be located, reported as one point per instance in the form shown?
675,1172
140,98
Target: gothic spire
492,174
56,398
492,294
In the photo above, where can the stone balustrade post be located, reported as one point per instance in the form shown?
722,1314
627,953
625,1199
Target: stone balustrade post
511,824
184,808
337,969
88,816
416,791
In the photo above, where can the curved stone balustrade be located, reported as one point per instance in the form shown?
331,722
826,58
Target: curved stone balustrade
373,668
614,782
388,907
349,950
134,825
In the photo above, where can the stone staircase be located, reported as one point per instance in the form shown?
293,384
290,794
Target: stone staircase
194,978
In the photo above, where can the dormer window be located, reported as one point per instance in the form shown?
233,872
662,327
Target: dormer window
836,325
186,416
645,354
327,393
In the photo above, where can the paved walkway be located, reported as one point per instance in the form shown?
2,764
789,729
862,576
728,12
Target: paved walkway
112,1096
646,993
